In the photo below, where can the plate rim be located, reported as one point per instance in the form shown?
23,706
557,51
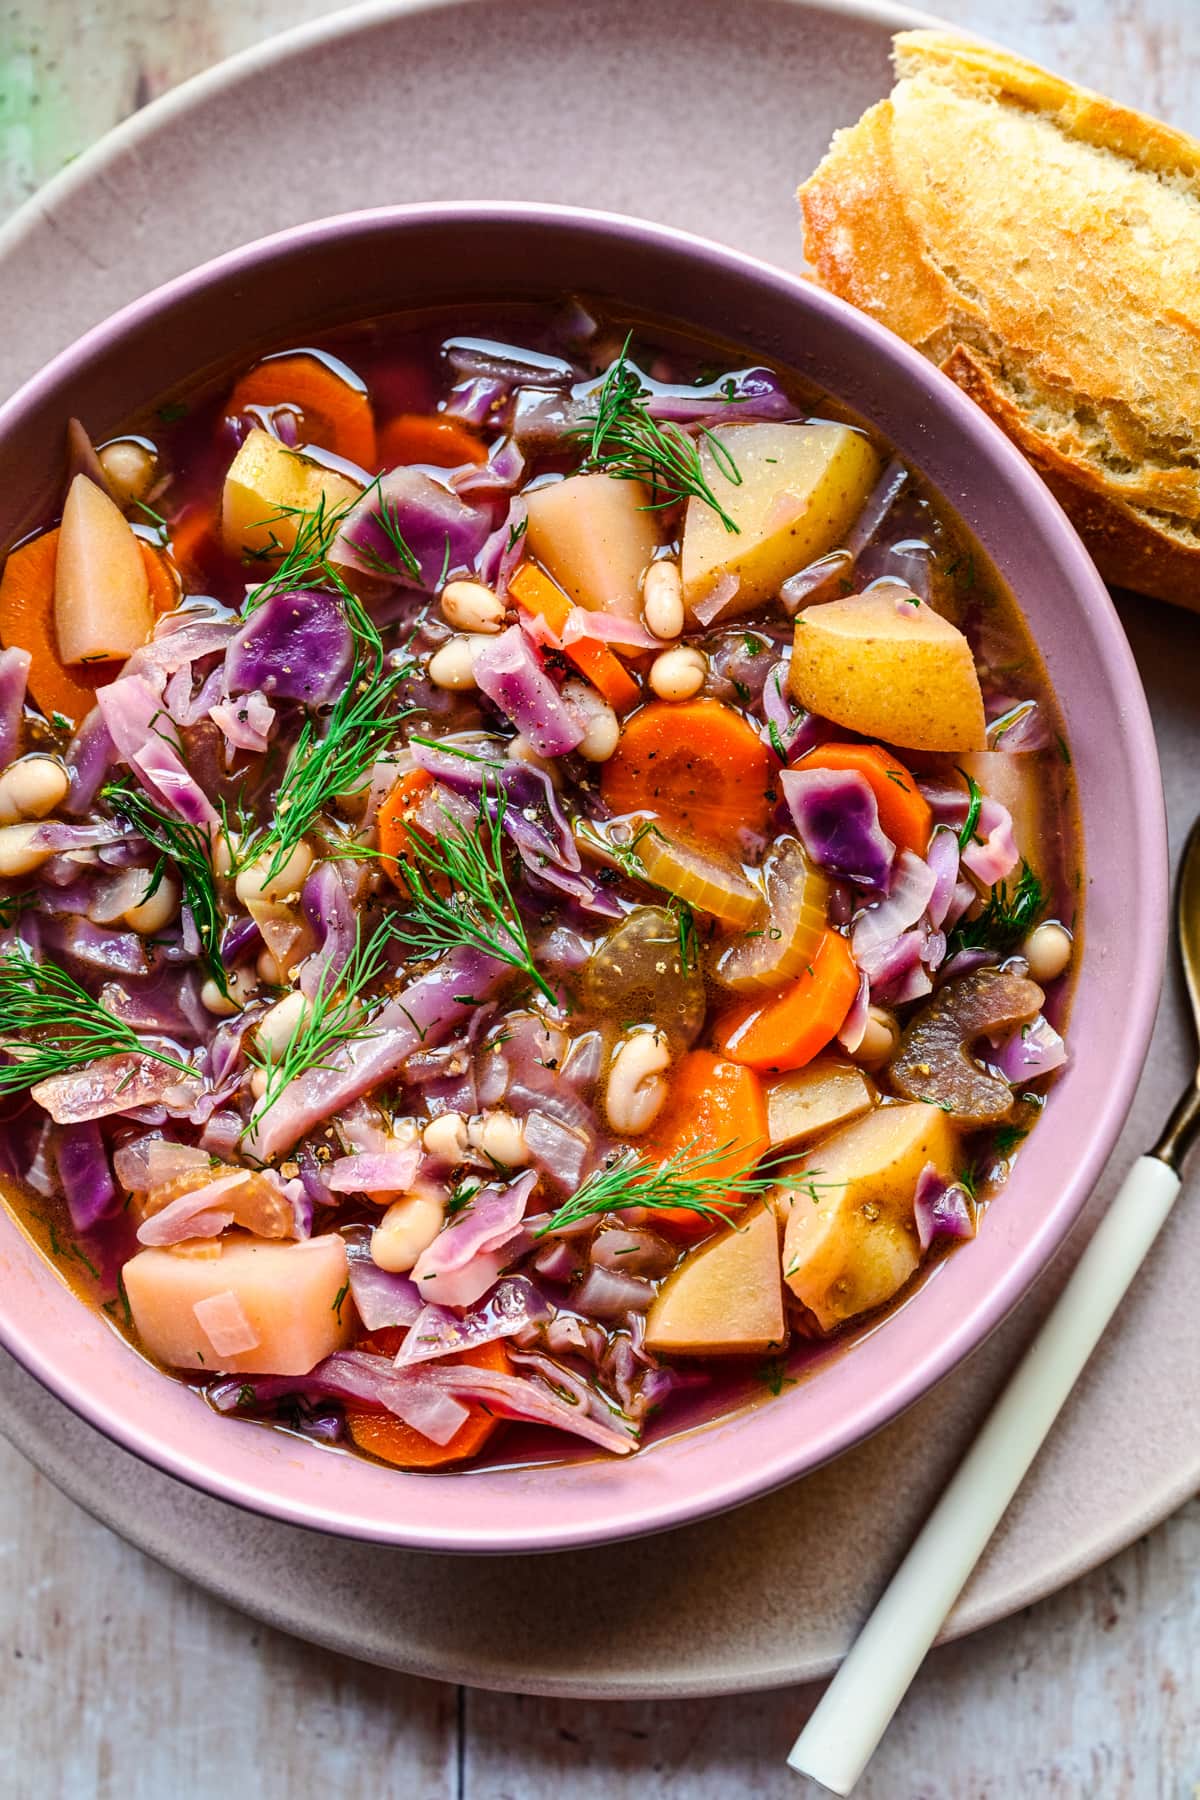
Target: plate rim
30,215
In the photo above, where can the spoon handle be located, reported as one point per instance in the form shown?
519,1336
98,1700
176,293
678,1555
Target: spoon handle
856,1709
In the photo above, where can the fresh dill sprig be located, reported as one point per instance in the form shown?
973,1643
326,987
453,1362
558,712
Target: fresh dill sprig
460,893
329,758
304,563
188,850
333,1017
974,808
462,1196
624,439
698,1183
52,1026
1004,920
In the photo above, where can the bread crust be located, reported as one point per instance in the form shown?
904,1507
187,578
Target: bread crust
1042,245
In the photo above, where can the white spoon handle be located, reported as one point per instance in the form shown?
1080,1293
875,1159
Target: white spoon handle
853,1714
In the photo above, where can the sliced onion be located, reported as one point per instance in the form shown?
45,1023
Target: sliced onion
606,1294
797,901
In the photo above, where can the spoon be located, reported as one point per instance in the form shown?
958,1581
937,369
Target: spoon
854,1712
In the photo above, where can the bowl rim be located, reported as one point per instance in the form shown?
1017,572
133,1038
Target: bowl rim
1148,852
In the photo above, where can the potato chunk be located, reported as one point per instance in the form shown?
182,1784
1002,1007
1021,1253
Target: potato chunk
292,1296
595,536
827,1093
101,592
801,488
726,1297
851,1240
267,484
884,664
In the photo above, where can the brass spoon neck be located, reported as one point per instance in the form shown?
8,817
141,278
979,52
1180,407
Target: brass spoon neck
1181,1129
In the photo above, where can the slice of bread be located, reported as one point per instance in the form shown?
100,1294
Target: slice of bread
1042,245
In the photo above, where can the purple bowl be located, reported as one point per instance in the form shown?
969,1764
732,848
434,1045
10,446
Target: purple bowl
379,262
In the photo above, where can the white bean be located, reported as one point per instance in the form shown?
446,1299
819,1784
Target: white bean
19,855
453,665
446,1137
637,1083
601,730
31,788
407,1228
880,1038
154,910
260,881
130,469
269,970
499,1137
678,674
470,606
662,599
275,1029
1047,950
241,984
226,846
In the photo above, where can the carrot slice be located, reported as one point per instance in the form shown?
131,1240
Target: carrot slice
533,589
395,819
903,810
393,1441
786,1031
713,1103
196,548
337,415
429,438
27,623
696,762
164,586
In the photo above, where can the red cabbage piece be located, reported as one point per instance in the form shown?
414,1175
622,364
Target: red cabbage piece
474,400
992,854
295,646
410,529
14,670
820,580
89,758
941,1208
469,1254
389,1171
1031,1051
510,673
854,1025
513,1304
84,1175
837,818
533,817
742,396
551,1396
877,927
428,1010
115,1084
510,363
611,1294
381,1298
143,733
943,859
358,1375
327,898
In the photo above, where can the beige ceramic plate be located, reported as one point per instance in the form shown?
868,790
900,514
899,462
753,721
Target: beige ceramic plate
663,109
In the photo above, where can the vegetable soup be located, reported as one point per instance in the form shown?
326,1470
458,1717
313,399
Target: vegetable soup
537,874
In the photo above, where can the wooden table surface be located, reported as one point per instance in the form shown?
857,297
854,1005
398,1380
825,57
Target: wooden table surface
122,1680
